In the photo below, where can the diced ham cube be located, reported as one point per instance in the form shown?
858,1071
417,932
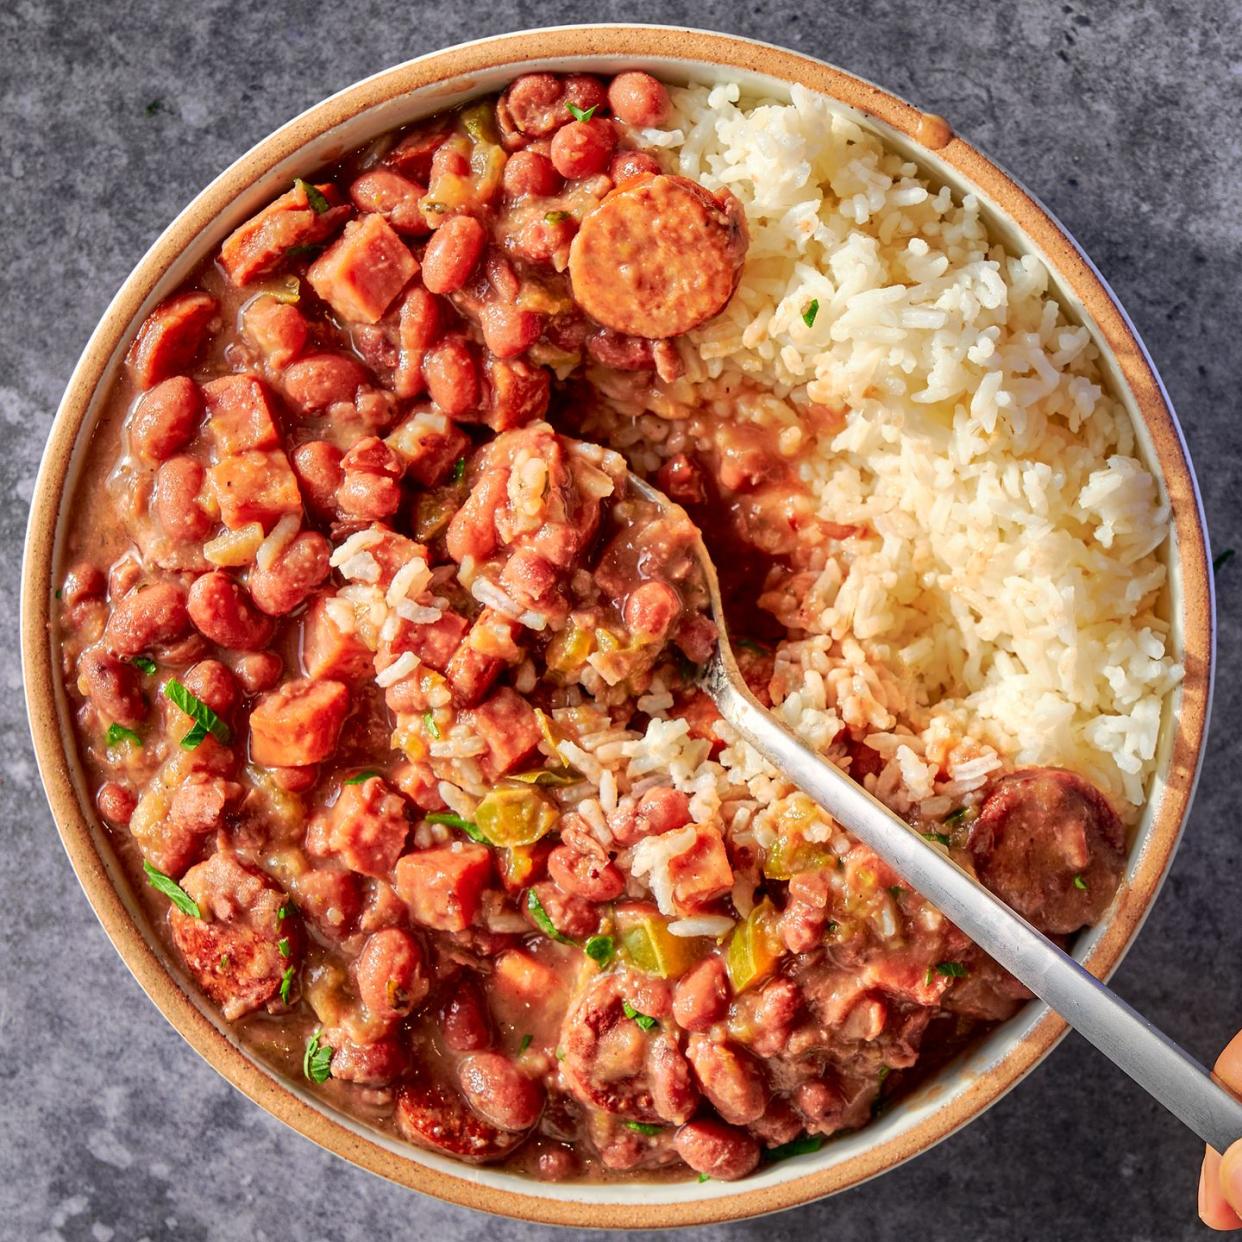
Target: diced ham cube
433,644
298,723
263,242
327,651
700,873
477,662
429,443
418,782
509,726
361,273
392,552
443,886
240,414
170,338
278,330
255,486
521,986
365,828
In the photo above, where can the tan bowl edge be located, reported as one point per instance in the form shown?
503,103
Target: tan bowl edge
45,701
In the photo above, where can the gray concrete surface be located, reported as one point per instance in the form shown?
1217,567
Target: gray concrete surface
1125,118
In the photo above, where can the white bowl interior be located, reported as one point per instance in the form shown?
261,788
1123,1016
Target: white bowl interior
916,1108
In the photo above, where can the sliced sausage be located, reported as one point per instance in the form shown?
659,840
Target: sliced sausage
658,256
170,338
437,1117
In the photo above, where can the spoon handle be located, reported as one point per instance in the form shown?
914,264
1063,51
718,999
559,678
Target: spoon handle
1132,1043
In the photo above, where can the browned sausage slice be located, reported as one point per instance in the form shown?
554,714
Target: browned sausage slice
437,1117
170,338
1048,843
659,256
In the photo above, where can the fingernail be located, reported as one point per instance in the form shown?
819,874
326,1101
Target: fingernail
1231,1177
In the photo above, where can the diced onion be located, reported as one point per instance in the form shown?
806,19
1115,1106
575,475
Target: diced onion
280,538
235,547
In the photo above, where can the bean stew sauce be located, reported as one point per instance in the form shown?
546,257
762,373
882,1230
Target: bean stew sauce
347,574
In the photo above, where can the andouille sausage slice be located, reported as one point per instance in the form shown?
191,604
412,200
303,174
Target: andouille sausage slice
170,338
436,1116
659,256
1048,843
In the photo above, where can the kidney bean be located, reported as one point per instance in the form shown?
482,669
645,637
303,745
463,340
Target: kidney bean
452,376
212,682
373,1065
83,582
390,974
722,1152
638,99
572,916
509,330
499,1092
540,240
223,612
466,1026
583,148
166,419
147,617
112,686
447,159
585,875
115,802
555,1163
294,574
651,610
320,380
453,253
701,996
659,810
517,392
123,576
371,482
258,671
529,172
585,91
295,779
629,164
730,1079
395,197
178,485
317,465
535,104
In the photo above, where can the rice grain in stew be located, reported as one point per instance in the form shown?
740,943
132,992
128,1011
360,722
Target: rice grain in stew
387,686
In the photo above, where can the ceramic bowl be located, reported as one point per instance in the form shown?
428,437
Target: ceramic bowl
401,95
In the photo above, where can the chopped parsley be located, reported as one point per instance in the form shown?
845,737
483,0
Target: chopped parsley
895,891
644,1020
172,890
885,1070
951,970
559,1054
1222,559
300,250
144,664
469,827
429,723
315,200
798,1147
1079,882
642,1127
705,1177
118,733
205,720
937,838
600,949
284,912
286,982
317,1059
223,963
156,105
808,315
527,1040
555,217
542,921
283,946
360,778
831,927
581,114
459,470
954,817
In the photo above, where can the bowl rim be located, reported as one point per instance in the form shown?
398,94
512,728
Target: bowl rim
639,44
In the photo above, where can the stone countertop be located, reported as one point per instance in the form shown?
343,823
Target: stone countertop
1124,119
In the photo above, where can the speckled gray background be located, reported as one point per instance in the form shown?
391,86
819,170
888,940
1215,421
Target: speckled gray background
1124,118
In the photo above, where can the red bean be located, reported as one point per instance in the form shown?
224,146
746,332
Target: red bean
509,330
555,1163
83,581
166,419
585,91
212,682
294,574
466,1026
638,99
585,875
123,576
178,485
730,1079
223,612
115,802
651,609
452,254
629,164
297,780
317,465
147,618
499,1092
391,979
528,172
320,380
535,102
371,486
721,1152
420,320
258,671
452,376
701,996
541,240
112,686
583,148
395,197
447,159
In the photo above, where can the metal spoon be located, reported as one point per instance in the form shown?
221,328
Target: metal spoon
1132,1043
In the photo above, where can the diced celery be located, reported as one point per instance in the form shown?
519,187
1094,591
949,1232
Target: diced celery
568,651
